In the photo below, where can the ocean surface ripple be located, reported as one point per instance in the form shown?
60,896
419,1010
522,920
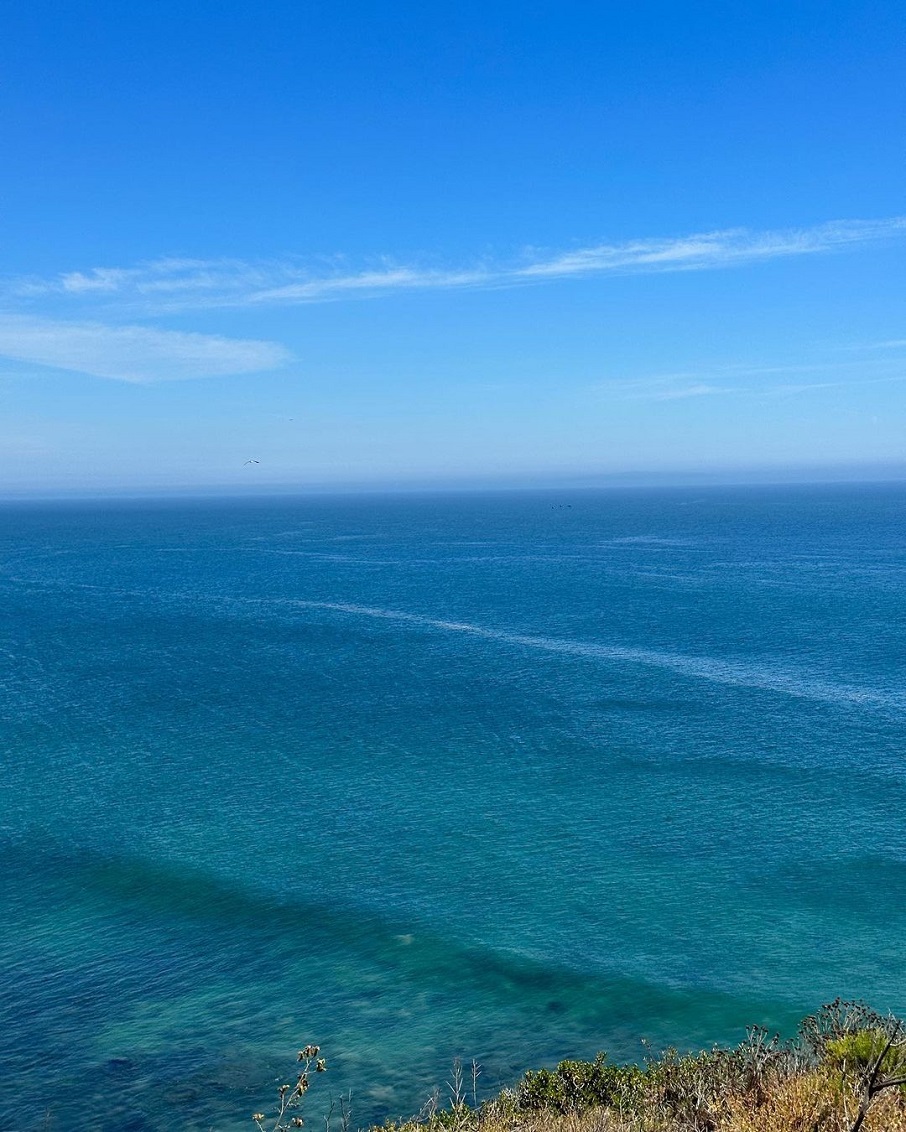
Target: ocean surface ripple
514,777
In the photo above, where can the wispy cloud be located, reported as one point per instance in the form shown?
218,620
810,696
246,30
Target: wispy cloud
889,344
79,341
132,353
186,284
757,381
681,392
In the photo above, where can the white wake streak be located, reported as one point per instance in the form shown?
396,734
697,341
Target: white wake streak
737,673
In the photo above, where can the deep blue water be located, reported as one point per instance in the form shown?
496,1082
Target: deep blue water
511,777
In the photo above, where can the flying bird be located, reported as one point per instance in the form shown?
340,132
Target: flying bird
251,462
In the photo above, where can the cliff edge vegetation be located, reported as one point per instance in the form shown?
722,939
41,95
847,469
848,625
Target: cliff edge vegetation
845,1071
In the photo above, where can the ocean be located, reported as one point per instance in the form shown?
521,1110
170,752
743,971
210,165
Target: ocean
508,777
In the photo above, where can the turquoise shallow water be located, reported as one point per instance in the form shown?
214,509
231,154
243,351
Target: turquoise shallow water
510,777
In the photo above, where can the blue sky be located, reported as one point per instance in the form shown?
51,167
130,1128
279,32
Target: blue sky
415,244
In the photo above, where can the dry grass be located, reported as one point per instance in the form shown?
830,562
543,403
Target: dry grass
811,1102
806,1102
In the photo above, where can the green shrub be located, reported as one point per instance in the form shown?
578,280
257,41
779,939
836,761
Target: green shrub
575,1086
857,1053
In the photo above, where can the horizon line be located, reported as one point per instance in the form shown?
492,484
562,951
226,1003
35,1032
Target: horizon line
831,475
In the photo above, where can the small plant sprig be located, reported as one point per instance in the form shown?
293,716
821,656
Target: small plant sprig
290,1096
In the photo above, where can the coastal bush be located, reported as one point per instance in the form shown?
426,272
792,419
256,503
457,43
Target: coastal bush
844,1072
693,1091
854,1055
843,1018
575,1086
862,1054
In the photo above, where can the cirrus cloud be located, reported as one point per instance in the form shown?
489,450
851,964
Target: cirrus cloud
174,284
137,354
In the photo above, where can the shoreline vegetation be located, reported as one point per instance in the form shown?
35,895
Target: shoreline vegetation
845,1071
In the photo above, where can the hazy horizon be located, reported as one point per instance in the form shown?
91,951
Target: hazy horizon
677,478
